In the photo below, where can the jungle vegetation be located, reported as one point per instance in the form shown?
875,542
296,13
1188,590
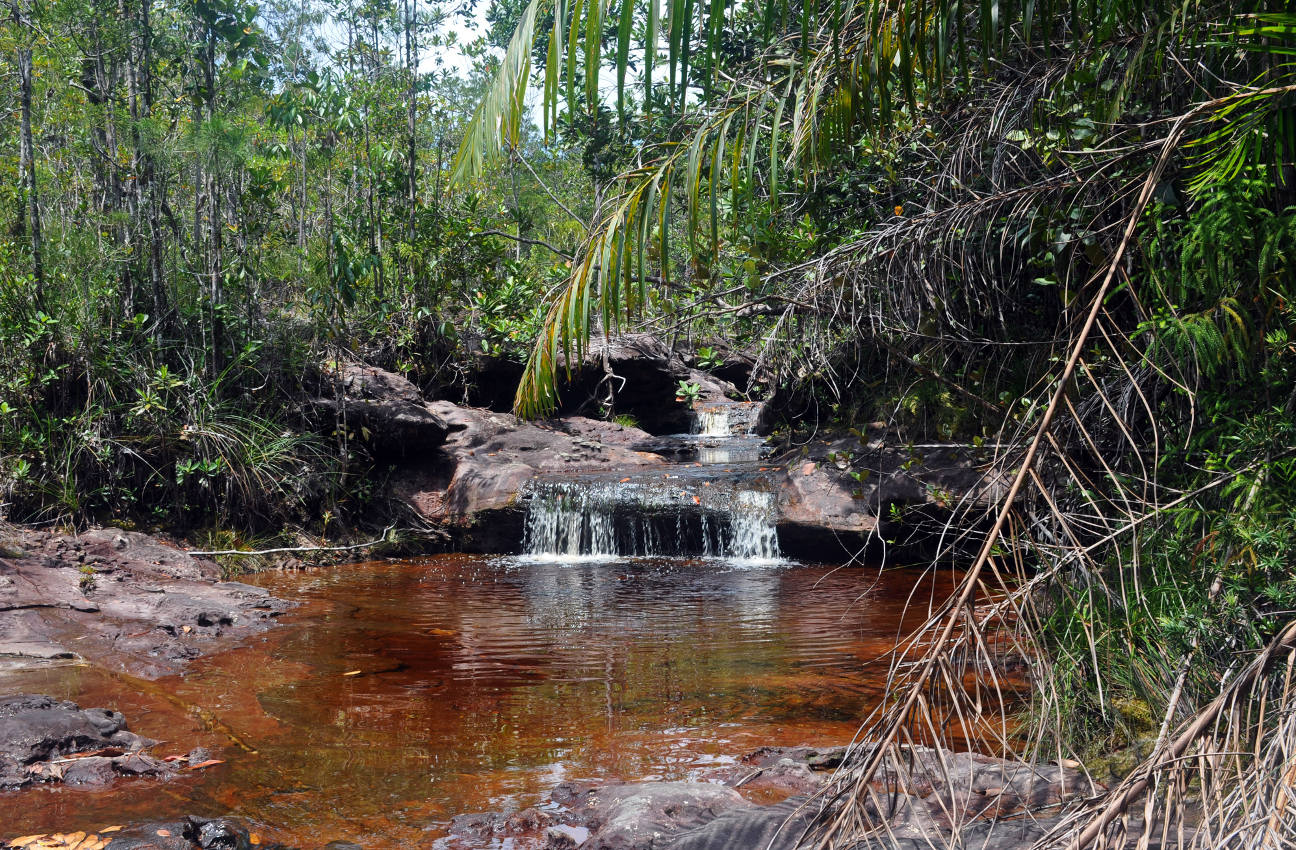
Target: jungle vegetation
1060,230
1063,229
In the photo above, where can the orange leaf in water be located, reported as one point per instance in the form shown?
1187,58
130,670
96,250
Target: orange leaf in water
200,765
111,829
165,833
624,480
254,839
25,840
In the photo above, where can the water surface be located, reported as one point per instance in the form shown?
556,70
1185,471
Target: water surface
403,693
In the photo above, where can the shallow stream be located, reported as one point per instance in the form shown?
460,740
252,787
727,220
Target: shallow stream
402,693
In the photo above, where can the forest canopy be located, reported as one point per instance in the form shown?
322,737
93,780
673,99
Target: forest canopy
1058,231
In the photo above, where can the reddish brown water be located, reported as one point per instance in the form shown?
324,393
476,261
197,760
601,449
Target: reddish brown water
403,693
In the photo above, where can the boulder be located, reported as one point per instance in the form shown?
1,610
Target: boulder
384,411
42,739
643,374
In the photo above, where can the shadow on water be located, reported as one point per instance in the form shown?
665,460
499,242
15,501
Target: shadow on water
403,693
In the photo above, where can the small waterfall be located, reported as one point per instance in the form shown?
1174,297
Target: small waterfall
599,519
725,432
712,421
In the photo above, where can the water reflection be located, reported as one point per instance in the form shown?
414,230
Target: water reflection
404,693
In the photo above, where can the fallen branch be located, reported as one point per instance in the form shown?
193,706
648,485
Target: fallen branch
283,549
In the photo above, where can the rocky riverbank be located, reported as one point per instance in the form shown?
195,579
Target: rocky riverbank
768,798
121,600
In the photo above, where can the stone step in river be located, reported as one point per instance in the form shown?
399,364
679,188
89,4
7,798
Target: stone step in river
715,507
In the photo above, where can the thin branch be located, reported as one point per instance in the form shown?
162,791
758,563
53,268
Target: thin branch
526,241
514,149
383,539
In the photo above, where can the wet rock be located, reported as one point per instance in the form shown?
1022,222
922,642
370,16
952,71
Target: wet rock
471,484
148,609
384,411
641,816
190,833
92,770
220,834
489,826
41,739
922,800
37,728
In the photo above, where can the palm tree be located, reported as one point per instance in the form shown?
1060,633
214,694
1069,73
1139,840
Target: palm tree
1034,128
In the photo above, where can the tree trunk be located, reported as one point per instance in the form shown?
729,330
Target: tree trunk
27,165
149,189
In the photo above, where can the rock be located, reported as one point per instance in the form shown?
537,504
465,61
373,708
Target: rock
901,497
471,484
92,770
384,411
40,738
944,793
640,816
219,834
151,608
565,837
190,833
37,728
645,374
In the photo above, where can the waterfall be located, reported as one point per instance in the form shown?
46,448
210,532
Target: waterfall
600,519
727,419
712,421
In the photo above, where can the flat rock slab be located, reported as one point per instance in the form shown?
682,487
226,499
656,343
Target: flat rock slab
122,600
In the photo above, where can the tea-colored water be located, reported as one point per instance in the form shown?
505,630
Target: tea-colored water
403,693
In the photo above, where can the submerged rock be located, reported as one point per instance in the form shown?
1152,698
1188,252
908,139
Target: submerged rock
46,740
121,599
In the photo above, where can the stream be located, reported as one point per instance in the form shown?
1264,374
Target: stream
651,630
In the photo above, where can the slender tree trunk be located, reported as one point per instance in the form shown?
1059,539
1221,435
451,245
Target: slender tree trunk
27,165
411,116
149,189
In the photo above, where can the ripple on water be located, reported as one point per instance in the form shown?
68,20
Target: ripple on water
403,693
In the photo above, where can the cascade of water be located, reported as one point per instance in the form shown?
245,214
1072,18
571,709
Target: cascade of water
603,519
712,421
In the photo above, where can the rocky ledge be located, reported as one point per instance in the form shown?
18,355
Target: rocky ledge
119,599
470,485
765,800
